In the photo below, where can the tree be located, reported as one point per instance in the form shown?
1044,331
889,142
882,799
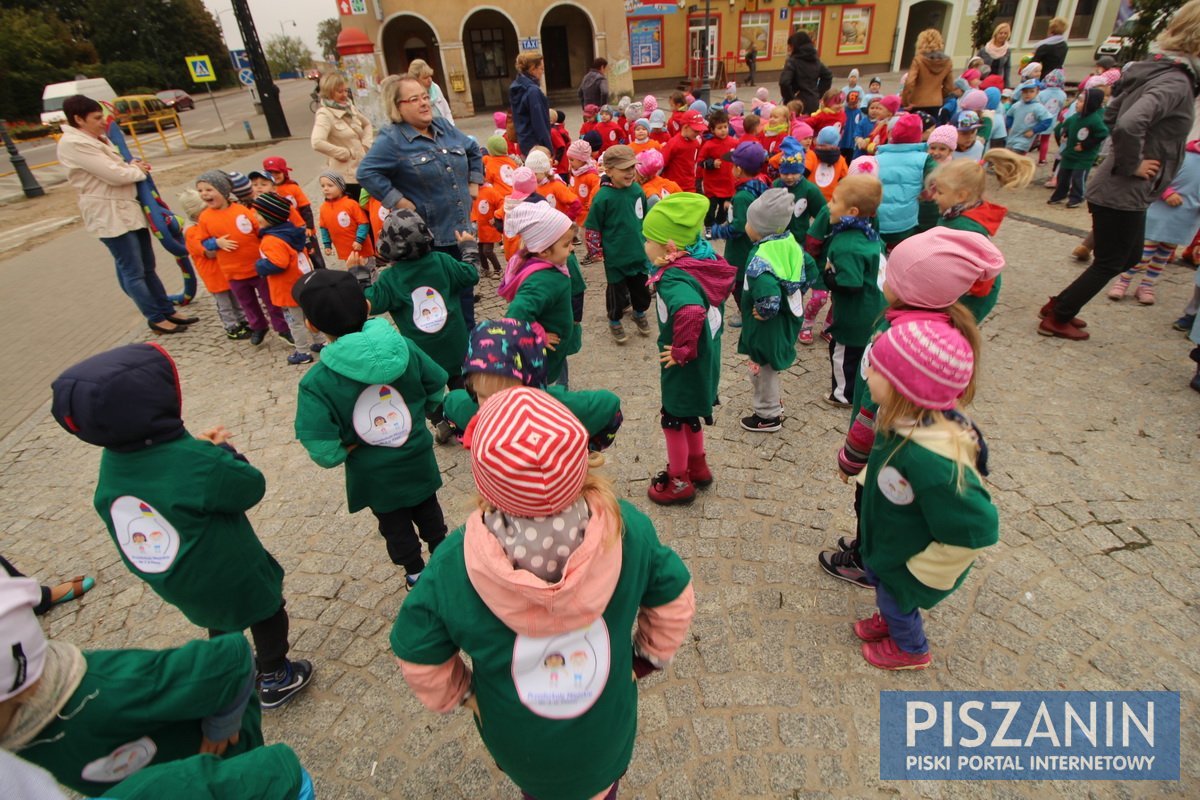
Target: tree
1153,16
287,54
984,23
327,35
36,48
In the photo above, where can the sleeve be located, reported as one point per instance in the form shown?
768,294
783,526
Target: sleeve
462,275
367,137
595,217
852,458
459,408
847,275
474,162
275,258
766,294
202,678
433,379
963,518
787,81
233,486
530,301
440,687
318,431
225,722
320,137
737,223
420,635
824,80
112,171
379,294
373,172
668,602
685,340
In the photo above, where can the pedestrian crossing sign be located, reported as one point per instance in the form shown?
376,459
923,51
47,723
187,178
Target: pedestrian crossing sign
201,69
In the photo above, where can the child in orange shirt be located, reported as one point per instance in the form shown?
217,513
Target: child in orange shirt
205,261
550,186
281,173
498,166
377,214
654,185
261,183
824,161
232,230
641,137
483,211
585,178
282,261
345,229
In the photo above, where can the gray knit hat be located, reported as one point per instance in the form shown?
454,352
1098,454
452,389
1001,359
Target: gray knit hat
337,179
772,212
404,237
218,180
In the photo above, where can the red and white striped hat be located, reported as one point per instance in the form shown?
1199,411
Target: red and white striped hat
528,453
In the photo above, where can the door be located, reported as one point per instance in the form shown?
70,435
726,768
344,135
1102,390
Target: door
928,14
558,57
701,65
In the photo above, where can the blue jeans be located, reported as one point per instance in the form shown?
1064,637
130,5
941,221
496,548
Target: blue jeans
134,254
905,627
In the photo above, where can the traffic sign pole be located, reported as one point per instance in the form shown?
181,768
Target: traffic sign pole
217,108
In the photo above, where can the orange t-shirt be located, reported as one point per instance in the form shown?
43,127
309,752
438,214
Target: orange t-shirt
294,194
825,176
210,274
483,211
237,222
341,218
294,264
512,244
498,170
585,186
660,186
560,197
649,144
377,213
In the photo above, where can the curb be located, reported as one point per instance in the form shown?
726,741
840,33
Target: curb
241,145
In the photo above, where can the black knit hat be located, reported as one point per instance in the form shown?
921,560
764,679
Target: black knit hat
274,208
332,300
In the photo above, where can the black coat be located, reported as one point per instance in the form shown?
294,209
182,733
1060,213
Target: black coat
593,89
1050,56
805,78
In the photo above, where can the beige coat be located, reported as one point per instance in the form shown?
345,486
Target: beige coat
930,81
107,198
343,137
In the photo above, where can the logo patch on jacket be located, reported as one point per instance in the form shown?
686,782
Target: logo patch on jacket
561,677
144,535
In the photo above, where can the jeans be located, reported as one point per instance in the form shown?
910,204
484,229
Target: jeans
403,546
270,641
1119,235
906,628
134,254
1070,181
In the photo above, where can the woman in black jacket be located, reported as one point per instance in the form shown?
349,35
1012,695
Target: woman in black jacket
804,77
530,108
594,87
1051,52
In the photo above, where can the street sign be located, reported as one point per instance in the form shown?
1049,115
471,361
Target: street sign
351,7
246,76
532,43
201,69
240,59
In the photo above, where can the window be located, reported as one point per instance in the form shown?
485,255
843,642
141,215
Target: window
1006,11
809,20
756,30
1045,11
1081,21
487,49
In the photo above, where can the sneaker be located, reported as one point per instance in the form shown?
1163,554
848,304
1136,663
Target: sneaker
596,459
708,233
845,543
806,336
237,334
833,401
1184,323
886,655
410,581
872,629
1049,326
1081,253
760,424
698,472
1055,202
257,337
642,323
1074,203
318,347
668,491
276,689
287,337
618,332
844,565
300,358
442,432
1048,309
1145,294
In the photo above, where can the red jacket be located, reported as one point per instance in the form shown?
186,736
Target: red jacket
588,125
824,118
559,139
679,161
717,182
610,133
675,122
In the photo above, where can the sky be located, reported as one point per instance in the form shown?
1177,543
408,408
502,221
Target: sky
268,14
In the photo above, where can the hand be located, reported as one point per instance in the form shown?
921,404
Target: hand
1029,134
552,340
1079,147
209,747
758,316
142,165
473,188
356,247
217,435
464,236
350,448
666,359
1175,200
227,244
329,252
1148,168
407,205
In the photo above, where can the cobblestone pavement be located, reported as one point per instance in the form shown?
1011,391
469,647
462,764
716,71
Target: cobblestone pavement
1093,585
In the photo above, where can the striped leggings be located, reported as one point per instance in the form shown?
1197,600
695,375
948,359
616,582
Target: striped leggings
1155,256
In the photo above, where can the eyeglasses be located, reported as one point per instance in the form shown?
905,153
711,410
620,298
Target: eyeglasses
420,98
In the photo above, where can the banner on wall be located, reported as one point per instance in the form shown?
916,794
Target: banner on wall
645,42
635,8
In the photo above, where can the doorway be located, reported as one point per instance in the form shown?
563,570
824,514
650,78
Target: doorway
568,46
702,66
556,51
490,40
928,14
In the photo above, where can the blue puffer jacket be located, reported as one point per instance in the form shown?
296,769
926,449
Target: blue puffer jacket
902,171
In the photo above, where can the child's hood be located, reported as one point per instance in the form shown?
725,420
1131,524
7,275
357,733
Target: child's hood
715,276
376,354
1093,101
525,602
293,235
125,399
989,215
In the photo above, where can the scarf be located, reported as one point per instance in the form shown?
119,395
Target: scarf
520,267
1055,39
996,51
589,166
853,224
545,553
957,209
776,130
63,671
701,249
335,105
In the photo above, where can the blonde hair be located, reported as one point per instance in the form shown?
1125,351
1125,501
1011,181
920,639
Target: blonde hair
530,59
964,175
486,384
1011,170
996,30
1182,34
331,82
599,495
863,192
190,202
930,40
1057,25
419,68
390,91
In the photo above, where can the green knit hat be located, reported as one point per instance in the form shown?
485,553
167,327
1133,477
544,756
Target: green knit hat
677,218
496,145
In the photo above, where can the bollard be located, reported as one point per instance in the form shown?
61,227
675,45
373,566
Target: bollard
249,130
29,184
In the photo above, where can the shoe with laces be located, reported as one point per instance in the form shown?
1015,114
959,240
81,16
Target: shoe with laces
618,333
846,543
872,629
698,472
642,323
295,359
318,347
238,333
760,424
886,655
257,337
279,687
668,491
1048,309
844,565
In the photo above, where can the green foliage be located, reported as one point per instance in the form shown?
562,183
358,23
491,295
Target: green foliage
327,35
287,54
1153,16
984,23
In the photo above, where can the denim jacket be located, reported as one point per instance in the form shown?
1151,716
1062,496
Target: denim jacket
432,173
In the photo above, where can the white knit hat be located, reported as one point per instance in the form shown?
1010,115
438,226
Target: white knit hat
539,225
22,643
539,162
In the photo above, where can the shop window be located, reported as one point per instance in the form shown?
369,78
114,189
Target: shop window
1083,18
487,47
1045,11
809,20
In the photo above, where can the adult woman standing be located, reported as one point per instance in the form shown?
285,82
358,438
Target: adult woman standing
995,52
110,209
804,77
425,165
421,70
340,132
1150,115
930,76
1051,52
594,87
530,108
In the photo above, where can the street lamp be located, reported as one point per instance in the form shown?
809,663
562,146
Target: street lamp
283,33
29,184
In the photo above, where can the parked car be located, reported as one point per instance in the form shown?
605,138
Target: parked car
1119,43
143,111
177,99
54,94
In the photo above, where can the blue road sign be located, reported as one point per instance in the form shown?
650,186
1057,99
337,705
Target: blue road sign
240,59
246,76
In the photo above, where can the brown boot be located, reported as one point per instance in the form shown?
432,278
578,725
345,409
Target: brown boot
1082,252
1048,309
1049,326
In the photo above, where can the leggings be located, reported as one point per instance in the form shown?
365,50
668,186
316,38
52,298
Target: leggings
631,290
270,641
1155,256
487,255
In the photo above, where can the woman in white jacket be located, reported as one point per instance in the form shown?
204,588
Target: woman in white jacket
421,70
110,209
340,132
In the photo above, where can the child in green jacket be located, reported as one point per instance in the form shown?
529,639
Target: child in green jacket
772,303
175,504
1081,135
925,512
357,406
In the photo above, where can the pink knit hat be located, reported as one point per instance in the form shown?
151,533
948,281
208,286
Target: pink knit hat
907,130
891,102
935,268
864,165
538,225
579,150
649,104
928,362
973,100
500,119
762,94
971,75
528,453
801,131
649,163
944,134
524,183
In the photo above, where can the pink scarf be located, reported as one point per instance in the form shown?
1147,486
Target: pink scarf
996,50
520,267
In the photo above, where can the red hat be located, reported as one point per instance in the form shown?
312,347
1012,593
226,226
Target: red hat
693,120
276,164
528,453
907,130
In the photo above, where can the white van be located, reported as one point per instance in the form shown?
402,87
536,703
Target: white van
54,95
